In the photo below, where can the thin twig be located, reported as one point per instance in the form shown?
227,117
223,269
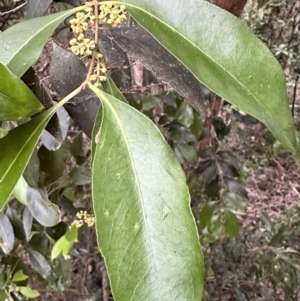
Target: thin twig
13,10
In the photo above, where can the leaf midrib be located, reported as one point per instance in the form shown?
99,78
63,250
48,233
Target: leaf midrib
136,181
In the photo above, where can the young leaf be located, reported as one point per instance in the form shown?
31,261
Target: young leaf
206,214
17,146
16,99
28,292
19,276
225,55
72,234
61,246
144,223
64,244
22,44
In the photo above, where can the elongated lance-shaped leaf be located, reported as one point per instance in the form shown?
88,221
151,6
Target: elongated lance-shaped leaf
22,44
223,53
144,223
17,146
16,99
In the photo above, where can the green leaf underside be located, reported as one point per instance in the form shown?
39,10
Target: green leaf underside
17,146
144,223
16,99
22,44
223,53
7,237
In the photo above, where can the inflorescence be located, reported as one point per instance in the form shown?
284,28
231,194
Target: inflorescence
82,217
82,45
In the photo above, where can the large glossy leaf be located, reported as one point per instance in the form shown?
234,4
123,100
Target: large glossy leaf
144,223
223,53
22,43
16,100
17,146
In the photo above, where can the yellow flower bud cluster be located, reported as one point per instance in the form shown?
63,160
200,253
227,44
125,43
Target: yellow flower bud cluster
113,14
79,24
82,217
82,45
99,73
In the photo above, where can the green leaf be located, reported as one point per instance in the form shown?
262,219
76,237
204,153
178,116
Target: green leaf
185,114
16,99
19,276
188,151
72,234
149,102
28,292
231,224
144,223
45,212
225,55
52,162
17,146
206,214
61,246
3,132
40,264
20,191
197,126
213,229
22,44
112,89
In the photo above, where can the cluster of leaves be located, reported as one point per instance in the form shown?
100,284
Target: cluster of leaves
262,262
275,22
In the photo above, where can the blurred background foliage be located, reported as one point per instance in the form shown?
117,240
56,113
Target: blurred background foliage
249,255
